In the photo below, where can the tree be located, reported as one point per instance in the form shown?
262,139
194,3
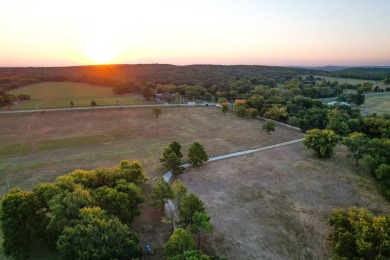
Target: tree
383,176
224,107
252,112
357,145
93,103
358,234
65,207
71,104
18,220
131,172
122,201
360,99
176,147
179,190
161,192
190,204
239,107
179,242
386,80
156,111
197,154
322,142
240,111
276,112
171,161
201,223
98,236
269,126
338,125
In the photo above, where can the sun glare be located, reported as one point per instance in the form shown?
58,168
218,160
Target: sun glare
101,53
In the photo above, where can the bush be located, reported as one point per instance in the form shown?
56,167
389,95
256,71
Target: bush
93,103
252,112
24,97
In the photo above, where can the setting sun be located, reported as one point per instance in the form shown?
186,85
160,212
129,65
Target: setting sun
100,53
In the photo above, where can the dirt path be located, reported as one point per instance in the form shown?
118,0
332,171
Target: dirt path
168,175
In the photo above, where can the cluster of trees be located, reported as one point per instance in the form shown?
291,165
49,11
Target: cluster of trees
84,214
205,81
6,99
172,155
370,140
192,219
358,234
372,144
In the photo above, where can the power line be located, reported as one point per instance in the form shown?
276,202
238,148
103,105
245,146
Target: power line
13,164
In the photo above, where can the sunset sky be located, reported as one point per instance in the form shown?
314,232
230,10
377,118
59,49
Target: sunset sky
266,32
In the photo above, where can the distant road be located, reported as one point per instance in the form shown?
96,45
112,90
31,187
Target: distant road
100,107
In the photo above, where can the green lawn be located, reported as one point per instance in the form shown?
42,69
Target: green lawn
379,104
59,94
354,81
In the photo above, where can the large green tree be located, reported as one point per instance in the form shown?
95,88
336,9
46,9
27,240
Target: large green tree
322,142
161,192
179,242
197,154
179,190
358,234
18,221
96,235
201,223
357,145
171,161
122,201
176,147
131,172
190,204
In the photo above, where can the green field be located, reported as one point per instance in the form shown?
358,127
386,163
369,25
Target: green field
59,95
379,104
380,84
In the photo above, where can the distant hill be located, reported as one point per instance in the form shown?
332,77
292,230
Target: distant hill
111,75
369,73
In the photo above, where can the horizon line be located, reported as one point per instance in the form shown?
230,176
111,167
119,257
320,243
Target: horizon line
204,64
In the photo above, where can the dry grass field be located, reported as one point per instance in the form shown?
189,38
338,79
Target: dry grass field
38,147
268,205
274,204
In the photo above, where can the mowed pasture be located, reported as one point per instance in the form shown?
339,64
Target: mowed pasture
47,95
37,147
379,104
274,204
378,83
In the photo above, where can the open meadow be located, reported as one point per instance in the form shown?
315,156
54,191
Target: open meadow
379,104
46,95
378,83
271,204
